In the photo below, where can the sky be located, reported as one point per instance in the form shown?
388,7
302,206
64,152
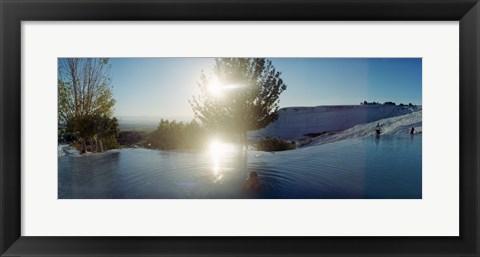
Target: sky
161,87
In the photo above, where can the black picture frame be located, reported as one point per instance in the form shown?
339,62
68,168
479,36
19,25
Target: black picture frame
13,12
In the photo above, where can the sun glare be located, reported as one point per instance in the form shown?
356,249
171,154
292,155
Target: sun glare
217,148
215,87
217,151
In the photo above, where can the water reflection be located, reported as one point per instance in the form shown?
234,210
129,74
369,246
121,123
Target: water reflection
97,176
373,170
219,153
377,140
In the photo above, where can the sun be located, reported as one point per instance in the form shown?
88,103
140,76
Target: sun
215,87
218,89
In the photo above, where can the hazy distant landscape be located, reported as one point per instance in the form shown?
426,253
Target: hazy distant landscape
145,123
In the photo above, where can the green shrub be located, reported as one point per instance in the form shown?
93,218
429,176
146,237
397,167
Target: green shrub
110,143
171,135
271,144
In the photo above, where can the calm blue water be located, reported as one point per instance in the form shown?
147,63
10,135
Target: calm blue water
366,168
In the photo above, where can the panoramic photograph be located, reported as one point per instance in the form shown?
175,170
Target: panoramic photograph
239,128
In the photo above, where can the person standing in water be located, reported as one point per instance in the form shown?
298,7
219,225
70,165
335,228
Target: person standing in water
412,131
378,129
252,183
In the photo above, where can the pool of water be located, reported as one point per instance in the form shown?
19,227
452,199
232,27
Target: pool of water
389,167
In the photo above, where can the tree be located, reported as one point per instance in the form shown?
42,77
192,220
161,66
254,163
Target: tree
171,135
84,97
106,130
239,95
97,129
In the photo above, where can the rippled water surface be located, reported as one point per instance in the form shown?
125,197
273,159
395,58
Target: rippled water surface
385,167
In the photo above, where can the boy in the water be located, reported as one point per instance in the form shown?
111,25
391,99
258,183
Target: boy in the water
252,182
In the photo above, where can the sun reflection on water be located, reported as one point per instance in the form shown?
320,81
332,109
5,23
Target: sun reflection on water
217,152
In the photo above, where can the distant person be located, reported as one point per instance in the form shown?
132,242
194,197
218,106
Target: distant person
378,129
252,183
412,131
